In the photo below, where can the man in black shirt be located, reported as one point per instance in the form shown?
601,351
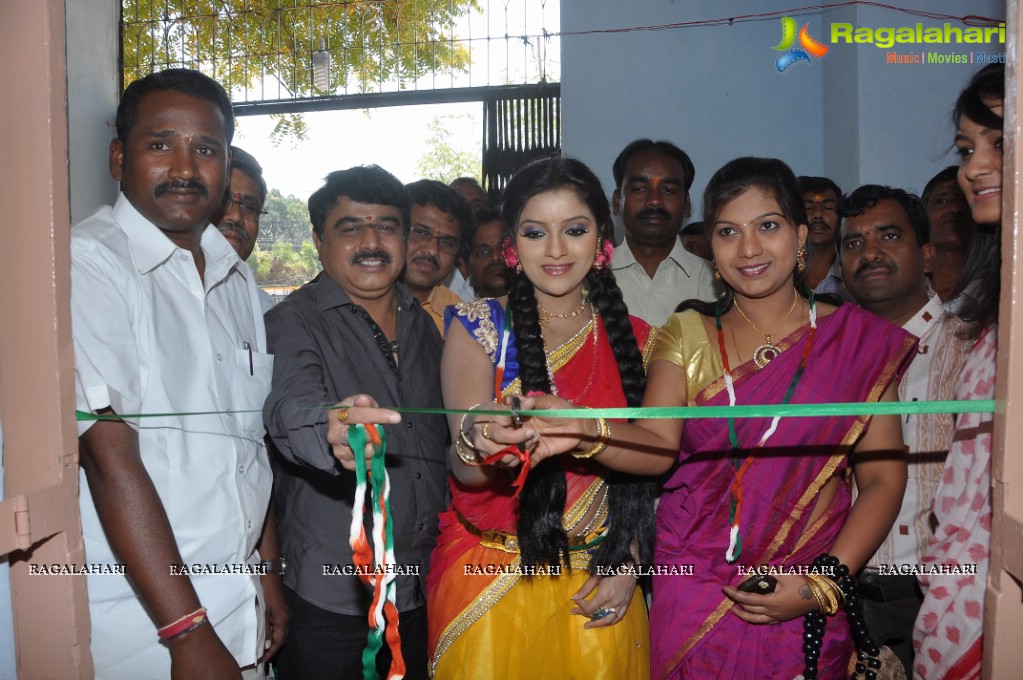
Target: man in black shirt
354,331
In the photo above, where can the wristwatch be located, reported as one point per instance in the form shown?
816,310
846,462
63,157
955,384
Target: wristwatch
275,566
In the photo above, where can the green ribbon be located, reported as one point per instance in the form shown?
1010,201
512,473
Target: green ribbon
883,408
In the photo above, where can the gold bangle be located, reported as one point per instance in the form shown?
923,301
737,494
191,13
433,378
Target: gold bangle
462,434
818,594
599,442
469,457
827,597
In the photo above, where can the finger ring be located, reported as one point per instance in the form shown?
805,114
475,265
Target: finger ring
484,431
601,613
342,414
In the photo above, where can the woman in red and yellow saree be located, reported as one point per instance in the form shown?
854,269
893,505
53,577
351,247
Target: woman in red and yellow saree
525,579
764,493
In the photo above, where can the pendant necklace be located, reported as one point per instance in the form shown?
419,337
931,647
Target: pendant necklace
762,355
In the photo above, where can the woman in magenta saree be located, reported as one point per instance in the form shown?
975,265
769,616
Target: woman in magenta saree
693,633
760,492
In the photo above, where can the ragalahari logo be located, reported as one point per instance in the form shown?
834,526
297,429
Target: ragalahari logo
807,46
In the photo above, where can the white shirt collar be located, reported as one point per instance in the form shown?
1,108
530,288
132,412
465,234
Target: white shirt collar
152,247
624,257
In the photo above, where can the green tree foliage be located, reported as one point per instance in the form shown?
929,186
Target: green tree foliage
284,254
283,265
243,42
251,46
449,155
287,218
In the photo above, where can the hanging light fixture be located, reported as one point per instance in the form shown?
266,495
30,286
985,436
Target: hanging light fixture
321,67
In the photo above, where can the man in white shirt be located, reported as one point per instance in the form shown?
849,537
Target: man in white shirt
653,270
885,254
170,347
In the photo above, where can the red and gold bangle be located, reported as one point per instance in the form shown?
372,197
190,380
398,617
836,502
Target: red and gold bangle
185,624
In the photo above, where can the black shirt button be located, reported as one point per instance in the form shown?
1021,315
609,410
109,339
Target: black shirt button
408,425
419,475
420,527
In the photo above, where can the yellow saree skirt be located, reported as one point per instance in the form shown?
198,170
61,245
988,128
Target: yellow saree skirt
529,634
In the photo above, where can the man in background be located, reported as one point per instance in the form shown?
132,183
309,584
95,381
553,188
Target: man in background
488,273
952,230
440,220
653,270
238,217
823,200
885,256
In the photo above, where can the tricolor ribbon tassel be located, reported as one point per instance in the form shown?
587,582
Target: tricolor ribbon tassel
383,613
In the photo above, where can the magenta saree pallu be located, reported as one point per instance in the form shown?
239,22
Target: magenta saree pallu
855,357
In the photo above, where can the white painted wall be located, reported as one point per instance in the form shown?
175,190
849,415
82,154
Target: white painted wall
715,92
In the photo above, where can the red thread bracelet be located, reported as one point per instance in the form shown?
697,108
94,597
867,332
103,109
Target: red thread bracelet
186,623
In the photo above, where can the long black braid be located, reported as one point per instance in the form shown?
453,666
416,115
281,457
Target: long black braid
630,497
542,538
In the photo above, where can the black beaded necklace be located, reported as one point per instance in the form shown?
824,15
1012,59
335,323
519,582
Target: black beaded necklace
867,651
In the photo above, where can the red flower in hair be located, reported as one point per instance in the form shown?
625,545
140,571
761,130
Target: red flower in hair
603,258
510,255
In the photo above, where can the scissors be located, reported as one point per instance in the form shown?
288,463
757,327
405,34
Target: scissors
516,416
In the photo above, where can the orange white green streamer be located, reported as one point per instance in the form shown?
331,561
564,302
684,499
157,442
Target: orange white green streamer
383,613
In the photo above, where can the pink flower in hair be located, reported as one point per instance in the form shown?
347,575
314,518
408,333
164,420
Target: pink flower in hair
510,255
603,258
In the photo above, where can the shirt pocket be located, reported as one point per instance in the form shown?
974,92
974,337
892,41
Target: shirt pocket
253,371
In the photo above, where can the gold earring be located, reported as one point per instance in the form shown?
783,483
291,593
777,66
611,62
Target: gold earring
801,259
717,274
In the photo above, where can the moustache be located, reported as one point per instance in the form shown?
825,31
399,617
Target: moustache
428,258
654,212
188,185
498,269
871,266
227,227
818,222
381,255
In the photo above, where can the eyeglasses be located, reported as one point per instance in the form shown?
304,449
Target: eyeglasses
248,208
446,244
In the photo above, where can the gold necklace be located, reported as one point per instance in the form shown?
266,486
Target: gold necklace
591,324
546,316
766,352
